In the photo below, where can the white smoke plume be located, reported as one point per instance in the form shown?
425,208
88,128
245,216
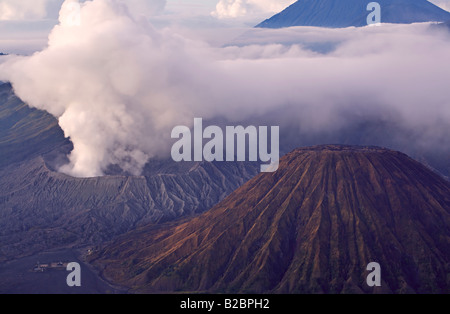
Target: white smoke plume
118,86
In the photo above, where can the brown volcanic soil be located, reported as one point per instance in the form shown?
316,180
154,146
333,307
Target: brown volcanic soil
311,227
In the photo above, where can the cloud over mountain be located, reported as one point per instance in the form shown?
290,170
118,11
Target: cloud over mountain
118,86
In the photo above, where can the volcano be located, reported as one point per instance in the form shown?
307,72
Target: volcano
311,227
41,209
346,13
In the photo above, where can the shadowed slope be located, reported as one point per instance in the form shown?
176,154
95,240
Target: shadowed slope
26,133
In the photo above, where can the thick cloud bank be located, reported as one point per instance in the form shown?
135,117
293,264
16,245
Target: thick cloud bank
118,86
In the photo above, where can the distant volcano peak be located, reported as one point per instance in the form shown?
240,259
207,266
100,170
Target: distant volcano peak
346,13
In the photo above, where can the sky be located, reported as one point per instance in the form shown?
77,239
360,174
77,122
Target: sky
118,84
25,24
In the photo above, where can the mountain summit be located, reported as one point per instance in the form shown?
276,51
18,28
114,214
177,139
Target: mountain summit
311,227
346,13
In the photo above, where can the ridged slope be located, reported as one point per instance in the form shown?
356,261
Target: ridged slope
41,209
313,226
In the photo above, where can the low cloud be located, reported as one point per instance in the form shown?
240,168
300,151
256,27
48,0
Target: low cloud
118,86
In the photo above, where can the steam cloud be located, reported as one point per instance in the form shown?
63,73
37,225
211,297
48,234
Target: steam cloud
118,86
